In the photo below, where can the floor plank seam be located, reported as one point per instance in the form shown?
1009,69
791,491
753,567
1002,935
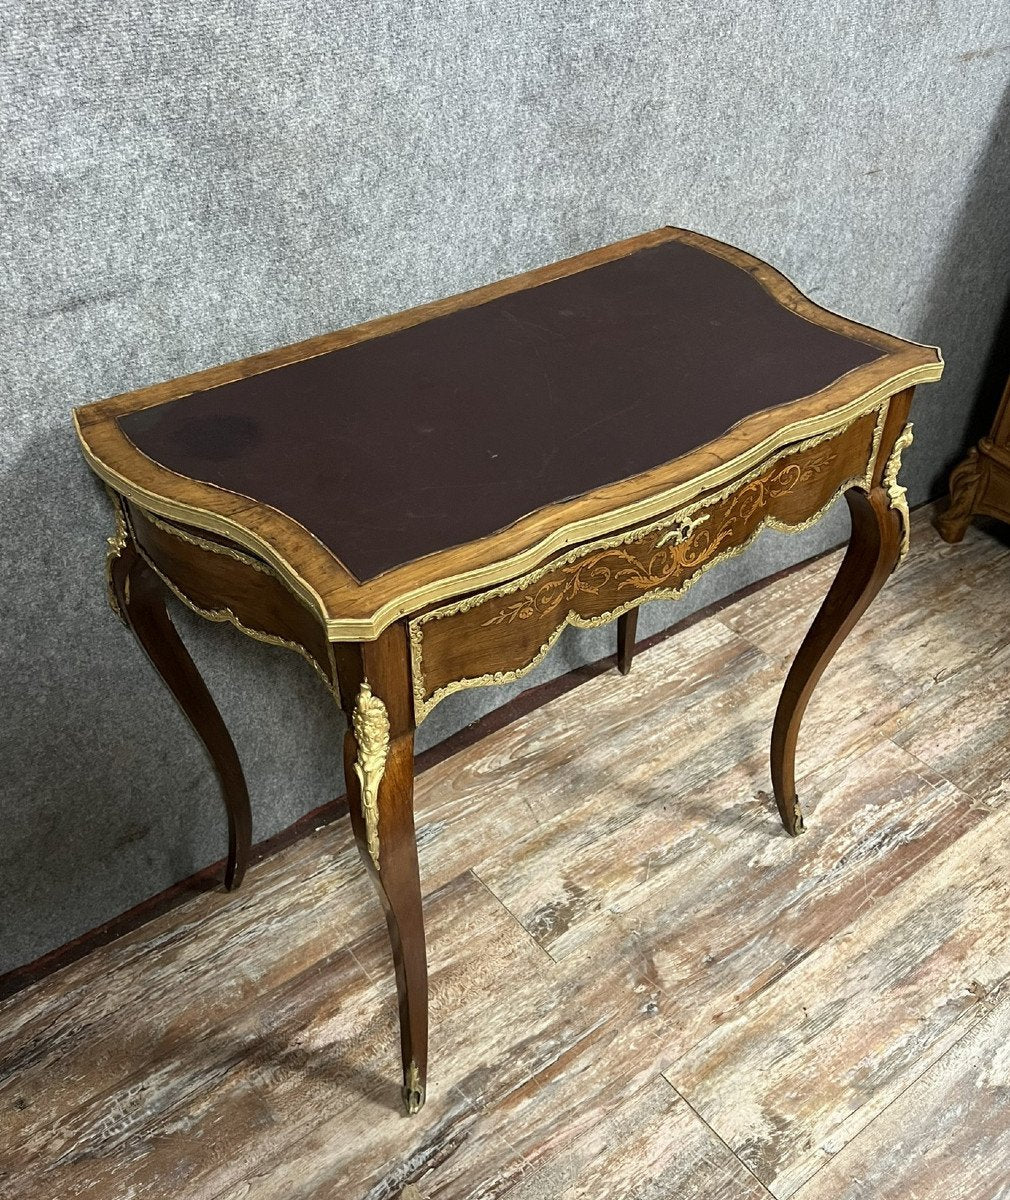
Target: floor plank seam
291,1148
375,981
722,1141
976,802
186,1097
777,980
501,903
718,619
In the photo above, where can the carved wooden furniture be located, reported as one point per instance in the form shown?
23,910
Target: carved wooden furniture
980,484
422,503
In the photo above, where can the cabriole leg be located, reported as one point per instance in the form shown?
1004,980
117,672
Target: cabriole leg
379,770
138,596
873,551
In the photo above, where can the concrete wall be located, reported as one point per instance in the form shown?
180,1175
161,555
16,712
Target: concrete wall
187,184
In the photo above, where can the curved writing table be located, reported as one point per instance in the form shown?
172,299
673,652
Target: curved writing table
422,503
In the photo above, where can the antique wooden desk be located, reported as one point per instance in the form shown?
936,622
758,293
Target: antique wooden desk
422,503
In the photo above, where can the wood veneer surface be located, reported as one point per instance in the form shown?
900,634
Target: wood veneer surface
445,432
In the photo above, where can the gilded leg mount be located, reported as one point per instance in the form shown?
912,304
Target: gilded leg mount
370,722
896,494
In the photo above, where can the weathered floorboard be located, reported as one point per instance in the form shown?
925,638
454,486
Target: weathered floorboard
962,726
946,1138
652,1148
609,900
805,1064
910,623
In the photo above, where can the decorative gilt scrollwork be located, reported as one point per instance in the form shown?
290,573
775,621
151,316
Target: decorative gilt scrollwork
370,723
682,531
896,496
206,544
226,614
116,545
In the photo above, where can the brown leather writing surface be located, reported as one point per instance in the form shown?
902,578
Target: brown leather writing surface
445,432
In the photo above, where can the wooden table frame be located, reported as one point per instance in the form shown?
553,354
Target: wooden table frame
487,612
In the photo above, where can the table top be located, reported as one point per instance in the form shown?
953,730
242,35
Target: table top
395,463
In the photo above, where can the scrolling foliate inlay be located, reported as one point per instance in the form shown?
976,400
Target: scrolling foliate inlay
896,494
370,723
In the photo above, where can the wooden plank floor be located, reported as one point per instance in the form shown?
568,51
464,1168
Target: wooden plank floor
640,986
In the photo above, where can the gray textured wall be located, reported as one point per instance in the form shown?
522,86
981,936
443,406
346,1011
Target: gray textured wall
186,184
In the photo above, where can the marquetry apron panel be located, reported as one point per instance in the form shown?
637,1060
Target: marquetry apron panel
498,635
222,582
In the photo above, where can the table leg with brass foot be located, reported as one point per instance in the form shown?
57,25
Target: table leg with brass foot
379,771
138,596
873,551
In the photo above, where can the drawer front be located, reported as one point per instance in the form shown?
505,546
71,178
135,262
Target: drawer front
498,635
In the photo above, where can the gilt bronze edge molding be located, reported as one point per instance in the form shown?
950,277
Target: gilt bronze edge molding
200,518
783,441
222,615
684,518
115,545
214,547
125,534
